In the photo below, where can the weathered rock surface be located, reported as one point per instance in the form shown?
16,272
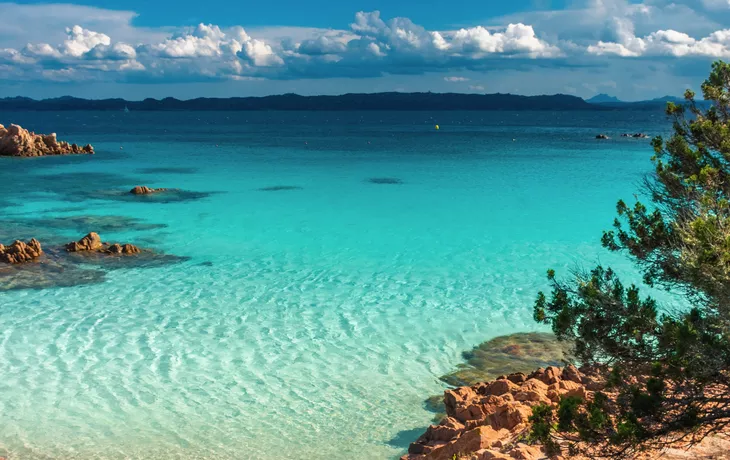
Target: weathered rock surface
144,190
16,141
486,420
490,420
92,243
20,252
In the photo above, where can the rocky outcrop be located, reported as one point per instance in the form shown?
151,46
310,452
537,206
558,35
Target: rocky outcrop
144,190
92,243
635,135
16,141
602,137
488,420
20,252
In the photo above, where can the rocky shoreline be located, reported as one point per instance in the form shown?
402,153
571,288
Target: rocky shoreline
16,141
489,419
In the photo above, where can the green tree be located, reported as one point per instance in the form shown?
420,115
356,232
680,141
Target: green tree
670,370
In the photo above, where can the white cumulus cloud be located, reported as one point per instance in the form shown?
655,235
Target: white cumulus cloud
94,43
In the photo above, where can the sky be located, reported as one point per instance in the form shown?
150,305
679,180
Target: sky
135,49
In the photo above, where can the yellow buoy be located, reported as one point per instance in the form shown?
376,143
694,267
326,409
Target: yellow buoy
437,127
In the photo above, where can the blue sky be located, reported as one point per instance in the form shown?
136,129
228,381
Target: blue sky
312,13
136,49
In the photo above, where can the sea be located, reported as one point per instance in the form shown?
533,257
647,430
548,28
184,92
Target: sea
330,267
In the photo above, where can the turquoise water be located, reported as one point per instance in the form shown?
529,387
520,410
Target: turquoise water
311,320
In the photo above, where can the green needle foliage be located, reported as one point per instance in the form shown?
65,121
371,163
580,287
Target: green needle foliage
668,372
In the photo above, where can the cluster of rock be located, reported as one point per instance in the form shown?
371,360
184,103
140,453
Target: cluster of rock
488,420
144,190
633,135
20,252
16,141
92,243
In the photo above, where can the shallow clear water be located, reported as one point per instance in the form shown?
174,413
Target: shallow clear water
309,322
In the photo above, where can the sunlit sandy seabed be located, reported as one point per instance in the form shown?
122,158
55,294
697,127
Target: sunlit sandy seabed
313,317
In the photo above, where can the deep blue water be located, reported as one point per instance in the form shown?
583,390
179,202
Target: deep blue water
316,308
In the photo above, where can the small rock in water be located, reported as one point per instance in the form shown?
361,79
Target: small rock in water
602,136
92,243
144,190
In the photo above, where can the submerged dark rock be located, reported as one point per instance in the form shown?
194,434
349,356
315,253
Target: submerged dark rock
279,188
86,263
522,352
103,224
46,273
166,196
384,180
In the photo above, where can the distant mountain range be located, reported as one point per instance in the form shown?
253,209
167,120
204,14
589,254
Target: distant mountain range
605,100
374,101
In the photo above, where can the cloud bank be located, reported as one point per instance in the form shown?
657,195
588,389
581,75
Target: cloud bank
104,45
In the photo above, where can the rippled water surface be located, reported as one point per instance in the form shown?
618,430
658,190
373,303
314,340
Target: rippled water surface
336,264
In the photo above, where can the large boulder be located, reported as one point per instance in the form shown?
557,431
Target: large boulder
91,242
20,252
16,141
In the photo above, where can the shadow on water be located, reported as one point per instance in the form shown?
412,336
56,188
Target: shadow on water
404,438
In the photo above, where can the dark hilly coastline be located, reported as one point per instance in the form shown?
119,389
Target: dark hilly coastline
375,101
